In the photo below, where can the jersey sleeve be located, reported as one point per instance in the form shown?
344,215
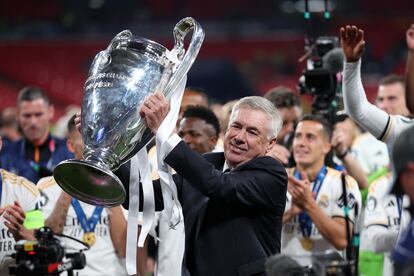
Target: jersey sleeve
375,213
396,124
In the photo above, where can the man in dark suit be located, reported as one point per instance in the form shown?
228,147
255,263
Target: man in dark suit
233,219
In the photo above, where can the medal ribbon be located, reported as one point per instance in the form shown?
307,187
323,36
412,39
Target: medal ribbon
399,206
305,221
35,164
88,225
1,187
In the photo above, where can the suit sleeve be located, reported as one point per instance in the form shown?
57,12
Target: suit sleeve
261,184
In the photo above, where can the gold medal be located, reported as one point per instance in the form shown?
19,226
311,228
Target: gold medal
89,238
307,243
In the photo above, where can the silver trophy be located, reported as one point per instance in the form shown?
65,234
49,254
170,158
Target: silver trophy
119,80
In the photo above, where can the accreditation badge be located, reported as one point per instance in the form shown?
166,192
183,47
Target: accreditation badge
89,238
307,243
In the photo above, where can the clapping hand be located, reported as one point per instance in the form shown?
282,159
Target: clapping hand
300,190
14,217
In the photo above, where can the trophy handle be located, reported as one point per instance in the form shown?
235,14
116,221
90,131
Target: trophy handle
181,29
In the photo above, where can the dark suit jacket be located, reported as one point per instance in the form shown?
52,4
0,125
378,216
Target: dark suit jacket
232,220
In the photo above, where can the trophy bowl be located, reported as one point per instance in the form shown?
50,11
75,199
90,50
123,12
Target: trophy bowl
120,78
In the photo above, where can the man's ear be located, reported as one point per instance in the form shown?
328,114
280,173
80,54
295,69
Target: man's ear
327,147
271,144
70,146
212,142
51,111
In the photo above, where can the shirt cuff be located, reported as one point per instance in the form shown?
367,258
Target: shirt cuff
170,144
352,65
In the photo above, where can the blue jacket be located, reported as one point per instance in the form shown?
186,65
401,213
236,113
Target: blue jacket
13,159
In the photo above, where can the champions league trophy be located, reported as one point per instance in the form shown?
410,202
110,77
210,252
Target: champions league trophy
119,80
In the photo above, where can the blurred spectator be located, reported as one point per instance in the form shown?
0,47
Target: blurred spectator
288,105
315,219
385,216
370,153
9,127
216,107
60,128
38,152
17,196
403,162
104,229
409,95
391,95
193,96
224,119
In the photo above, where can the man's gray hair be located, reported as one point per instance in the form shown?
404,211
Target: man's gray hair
264,105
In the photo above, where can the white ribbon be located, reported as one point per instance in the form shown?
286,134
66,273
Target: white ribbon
164,132
140,169
133,211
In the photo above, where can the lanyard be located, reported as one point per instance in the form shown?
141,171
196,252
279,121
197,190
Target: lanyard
1,187
36,165
399,206
305,221
88,225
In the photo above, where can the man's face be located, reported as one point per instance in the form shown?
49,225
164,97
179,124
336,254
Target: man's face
391,99
199,135
191,98
290,116
310,143
34,118
75,143
347,128
246,138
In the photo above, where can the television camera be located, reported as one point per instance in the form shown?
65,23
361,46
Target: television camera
45,256
321,79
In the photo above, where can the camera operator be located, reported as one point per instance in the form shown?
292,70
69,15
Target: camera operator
104,230
17,196
288,105
315,218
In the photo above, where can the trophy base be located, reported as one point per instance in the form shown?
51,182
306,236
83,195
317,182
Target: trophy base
89,183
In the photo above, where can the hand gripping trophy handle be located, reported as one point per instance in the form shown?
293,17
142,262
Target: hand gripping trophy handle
119,80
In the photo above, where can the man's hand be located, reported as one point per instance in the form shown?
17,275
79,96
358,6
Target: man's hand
154,110
410,38
352,41
300,191
78,121
339,143
279,152
14,218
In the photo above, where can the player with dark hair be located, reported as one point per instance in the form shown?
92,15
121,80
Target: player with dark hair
199,128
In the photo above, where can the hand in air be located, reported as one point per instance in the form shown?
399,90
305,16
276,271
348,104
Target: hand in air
352,41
